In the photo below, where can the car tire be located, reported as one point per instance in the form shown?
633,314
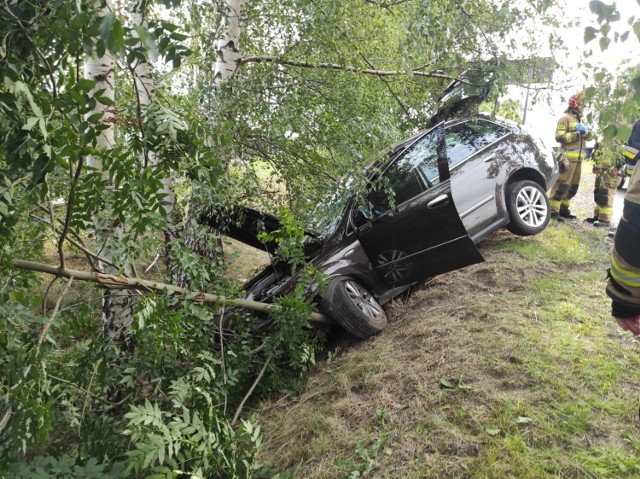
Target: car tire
354,308
528,208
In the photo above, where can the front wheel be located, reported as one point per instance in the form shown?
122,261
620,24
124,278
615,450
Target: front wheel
355,309
528,208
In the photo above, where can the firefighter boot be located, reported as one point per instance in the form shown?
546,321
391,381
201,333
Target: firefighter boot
566,213
602,224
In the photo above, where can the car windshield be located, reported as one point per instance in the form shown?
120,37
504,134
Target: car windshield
324,218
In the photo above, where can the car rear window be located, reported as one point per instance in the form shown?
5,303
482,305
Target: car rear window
484,133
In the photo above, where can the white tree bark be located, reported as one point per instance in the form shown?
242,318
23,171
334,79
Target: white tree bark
228,45
145,88
227,48
117,310
101,70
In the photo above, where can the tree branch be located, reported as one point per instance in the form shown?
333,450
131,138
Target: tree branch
250,391
118,282
334,66
78,244
67,219
43,58
46,327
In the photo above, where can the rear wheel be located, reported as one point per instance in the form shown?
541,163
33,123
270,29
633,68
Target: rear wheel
528,208
355,309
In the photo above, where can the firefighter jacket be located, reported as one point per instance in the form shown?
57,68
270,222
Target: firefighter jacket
632,148
624,276
571,143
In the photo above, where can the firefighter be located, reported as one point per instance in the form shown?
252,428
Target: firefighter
572,136
632,147
624,276
606,170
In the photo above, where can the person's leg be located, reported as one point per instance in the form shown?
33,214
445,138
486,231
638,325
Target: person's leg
575,168
606,195
560,188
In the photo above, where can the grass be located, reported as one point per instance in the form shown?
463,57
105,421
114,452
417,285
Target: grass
512,368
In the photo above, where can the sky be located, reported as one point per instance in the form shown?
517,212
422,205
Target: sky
542,116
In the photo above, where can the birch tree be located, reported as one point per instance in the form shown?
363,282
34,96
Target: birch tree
117,310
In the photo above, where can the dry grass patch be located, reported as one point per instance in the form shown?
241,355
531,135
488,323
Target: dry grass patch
509,368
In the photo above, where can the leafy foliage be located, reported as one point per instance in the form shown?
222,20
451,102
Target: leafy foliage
615,94
321,86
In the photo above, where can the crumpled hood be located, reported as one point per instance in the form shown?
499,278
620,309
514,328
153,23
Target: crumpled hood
244,224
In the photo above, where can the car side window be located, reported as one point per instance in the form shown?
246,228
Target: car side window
425,156
404,179
458,144
484,133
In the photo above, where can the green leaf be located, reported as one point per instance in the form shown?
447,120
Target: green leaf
445,383
31,122
635,83
112,33
624,132
589,34
104,100
604,43
492,430
596,6
94,118
610,132
86,85
178,36
147,41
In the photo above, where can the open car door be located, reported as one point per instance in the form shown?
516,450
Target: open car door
411,230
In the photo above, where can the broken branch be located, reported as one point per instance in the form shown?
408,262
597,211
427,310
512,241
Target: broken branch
110,281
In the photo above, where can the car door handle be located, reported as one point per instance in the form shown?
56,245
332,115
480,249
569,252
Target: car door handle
489,158
438,201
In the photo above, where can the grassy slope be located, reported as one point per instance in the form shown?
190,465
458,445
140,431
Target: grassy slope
509,368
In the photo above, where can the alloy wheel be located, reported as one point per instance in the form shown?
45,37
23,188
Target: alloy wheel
363,300
531,206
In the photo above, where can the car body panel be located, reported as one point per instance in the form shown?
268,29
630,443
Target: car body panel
440,200
422,237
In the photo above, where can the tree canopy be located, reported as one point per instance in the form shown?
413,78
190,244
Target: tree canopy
266,103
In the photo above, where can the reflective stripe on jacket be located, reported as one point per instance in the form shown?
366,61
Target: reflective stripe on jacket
624,281
632,147
568,136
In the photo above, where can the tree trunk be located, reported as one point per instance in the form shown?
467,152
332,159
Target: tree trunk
227,49
228,45
117,310
145,89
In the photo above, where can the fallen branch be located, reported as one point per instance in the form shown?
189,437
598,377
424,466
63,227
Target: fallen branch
110,281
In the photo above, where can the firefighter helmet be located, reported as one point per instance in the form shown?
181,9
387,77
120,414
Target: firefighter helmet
576,101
